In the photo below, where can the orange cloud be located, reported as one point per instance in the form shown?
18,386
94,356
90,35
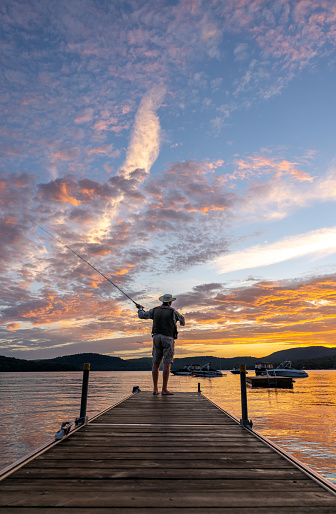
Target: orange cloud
124,271
53,308
13,326
64,196
90,193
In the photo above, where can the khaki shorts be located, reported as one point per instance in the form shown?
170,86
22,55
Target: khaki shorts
163,347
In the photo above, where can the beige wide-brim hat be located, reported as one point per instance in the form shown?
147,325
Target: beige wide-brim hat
166,298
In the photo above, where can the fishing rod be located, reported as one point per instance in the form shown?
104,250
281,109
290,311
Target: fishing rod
87,262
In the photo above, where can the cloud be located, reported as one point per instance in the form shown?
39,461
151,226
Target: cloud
85,116
283,39
59,190
142,152
240,52
260,164
16,204
144,145
107,124
104,150
287,189
13,326
318,242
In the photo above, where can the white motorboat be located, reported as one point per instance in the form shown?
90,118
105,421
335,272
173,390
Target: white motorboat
186,370
207,371
196,370
285,369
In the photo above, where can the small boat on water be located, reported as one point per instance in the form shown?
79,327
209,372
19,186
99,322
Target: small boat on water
262,368
236,370
207,371
196,370
186,370
210,373
285,369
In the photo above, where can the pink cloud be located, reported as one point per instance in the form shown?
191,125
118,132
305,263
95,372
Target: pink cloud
11,149
66,154
104,150
85,116
258,165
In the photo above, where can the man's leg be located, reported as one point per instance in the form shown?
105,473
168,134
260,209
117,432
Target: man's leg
155,375
168,355
165,377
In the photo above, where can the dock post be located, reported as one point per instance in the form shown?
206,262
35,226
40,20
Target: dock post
82,420
199,387
245,422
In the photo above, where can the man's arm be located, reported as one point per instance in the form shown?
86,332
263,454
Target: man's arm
179,317
144,315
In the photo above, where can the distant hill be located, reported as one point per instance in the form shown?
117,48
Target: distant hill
97,361
12,364
100,362
75,362
322,363
311,357
309,352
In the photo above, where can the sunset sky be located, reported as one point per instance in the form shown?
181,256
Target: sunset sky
184,147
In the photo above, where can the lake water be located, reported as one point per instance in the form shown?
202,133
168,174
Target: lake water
300,420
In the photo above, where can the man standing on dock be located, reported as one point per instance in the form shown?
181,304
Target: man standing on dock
164,332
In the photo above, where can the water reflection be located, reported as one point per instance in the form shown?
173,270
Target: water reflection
301,420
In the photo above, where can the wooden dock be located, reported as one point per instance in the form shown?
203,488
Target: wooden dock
270,381
162,454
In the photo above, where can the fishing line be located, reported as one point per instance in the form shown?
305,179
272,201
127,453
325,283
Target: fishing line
87,262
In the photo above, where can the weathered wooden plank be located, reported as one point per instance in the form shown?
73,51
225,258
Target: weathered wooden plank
168,510
193,498
155,461
169,415
129,485
161,418
73,451
181,446
159,472
267,456
185,431
174,406
149,439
